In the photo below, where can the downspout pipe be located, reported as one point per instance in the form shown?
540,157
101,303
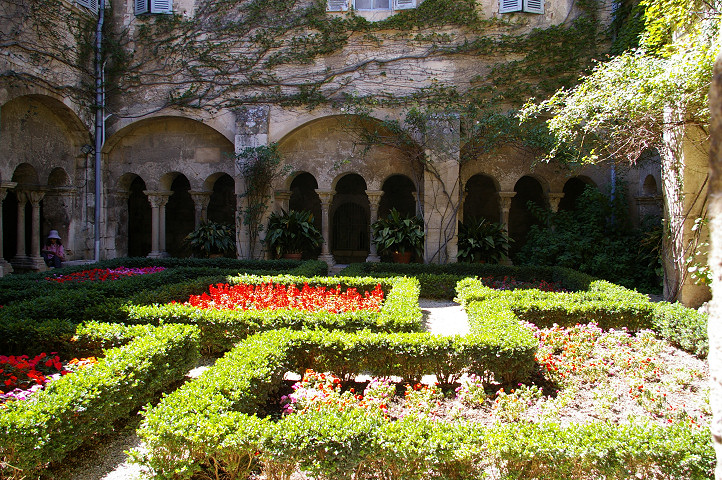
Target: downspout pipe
99,123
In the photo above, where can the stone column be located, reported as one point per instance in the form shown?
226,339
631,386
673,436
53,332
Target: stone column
36,261
374,200
5,266
21,259
200,201
554,199
282,199
157,200
442,188
504,207
326,197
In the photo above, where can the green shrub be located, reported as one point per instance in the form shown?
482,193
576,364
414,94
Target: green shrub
222,329
213,424
72,409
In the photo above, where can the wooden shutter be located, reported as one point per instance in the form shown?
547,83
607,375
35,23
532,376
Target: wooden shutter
337,5
508,6
94,5
141,6
161,6
404,4
534,6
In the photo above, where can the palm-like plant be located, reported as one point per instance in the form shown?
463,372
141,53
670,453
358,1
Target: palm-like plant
212,238
482,241
292,232
395,233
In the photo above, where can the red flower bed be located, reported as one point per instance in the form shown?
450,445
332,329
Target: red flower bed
268,296
103,274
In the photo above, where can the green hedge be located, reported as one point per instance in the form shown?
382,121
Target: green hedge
76,407
222,329
439,281
215,423
47,314
608,305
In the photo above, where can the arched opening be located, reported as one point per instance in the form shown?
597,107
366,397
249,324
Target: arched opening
179,217
649,188
527,190
481,200
573,189
304,196
399,194
350,220
139,220
27,179
222,204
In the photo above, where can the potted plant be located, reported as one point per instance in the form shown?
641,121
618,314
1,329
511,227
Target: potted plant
399,236
292,233
212,239
482,241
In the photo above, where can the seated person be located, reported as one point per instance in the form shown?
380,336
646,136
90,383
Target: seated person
53,252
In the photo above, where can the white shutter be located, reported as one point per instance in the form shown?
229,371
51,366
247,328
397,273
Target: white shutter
508,6
141,6
403,4
534,6
94,5
161,6
337,5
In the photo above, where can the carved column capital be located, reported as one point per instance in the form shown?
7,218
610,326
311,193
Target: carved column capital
34,197
157,198
505,199
375,197
326,197
200,198
554,199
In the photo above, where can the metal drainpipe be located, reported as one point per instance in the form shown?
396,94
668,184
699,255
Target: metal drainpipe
99,121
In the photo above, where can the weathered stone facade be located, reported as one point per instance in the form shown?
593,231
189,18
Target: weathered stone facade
166,167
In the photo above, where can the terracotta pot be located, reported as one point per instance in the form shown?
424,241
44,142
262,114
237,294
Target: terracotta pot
292,256
399,257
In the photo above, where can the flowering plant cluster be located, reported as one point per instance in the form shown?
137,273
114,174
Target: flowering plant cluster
316,390
21,376
423,400
510,283
471,391
269,296
103,274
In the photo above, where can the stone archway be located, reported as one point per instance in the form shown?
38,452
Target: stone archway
573,190
139,220
399,193
481,199
222,202
350,213
179,217
528,189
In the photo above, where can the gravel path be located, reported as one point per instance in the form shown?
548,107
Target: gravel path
109,461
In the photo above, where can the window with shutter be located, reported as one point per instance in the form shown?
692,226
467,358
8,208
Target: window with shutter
534,6
89,4
403,4
337,5
161,6
508,6
141,6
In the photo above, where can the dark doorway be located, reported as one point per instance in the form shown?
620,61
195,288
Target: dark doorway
139,220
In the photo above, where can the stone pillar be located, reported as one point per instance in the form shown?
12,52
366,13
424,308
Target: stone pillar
200,201
504,207
374,200
5,266
158,201
326,197
714,327
554,199
282,199
36,262
442,192
20,260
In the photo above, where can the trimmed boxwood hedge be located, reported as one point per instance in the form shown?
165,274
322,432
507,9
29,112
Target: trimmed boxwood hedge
78,406
607,304
46,313
439,281
212,424
222,329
